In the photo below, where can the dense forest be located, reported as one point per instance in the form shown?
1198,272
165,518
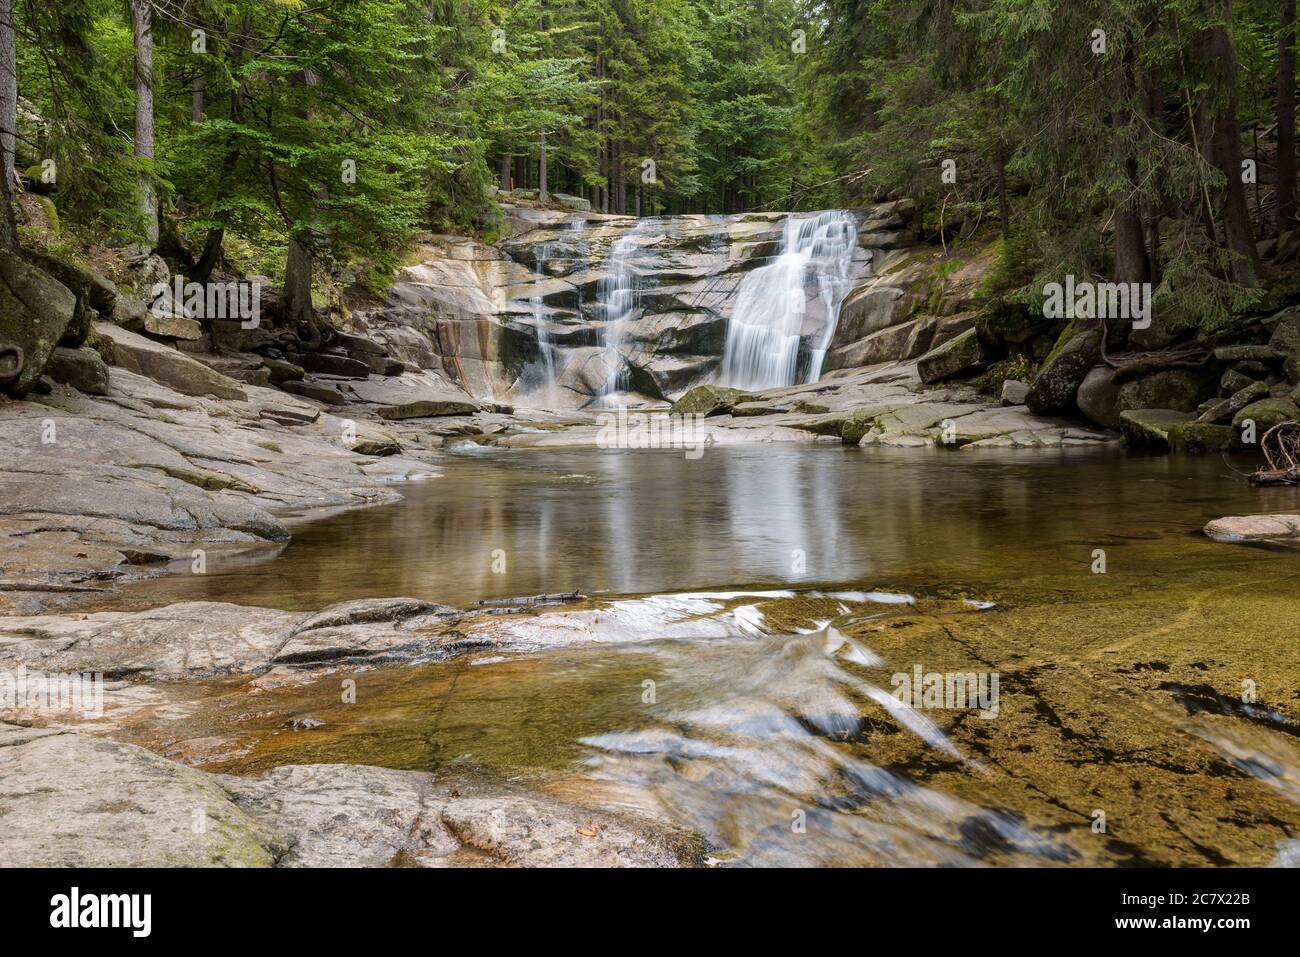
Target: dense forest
1148,141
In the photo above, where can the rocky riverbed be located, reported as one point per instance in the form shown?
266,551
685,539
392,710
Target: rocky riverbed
155,446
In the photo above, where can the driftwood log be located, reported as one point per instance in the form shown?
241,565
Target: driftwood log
1281,448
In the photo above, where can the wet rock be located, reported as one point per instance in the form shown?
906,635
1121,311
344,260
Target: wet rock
955,356
191,639
82,369
35,311
1254,528
164,364
350,816
1053,390
1224,410
1267,413
1151,427
708,400
73,801
1201,437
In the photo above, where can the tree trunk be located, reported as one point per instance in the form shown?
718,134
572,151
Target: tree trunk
504,185
210,257
8,87
1237,232
542,193
297,284
197,98
1286,118
1004,202
142,27
620,187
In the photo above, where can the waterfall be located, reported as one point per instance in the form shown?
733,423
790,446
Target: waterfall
771,323
620,294
546,349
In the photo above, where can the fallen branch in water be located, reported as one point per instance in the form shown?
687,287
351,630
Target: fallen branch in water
1281,448
1275,477
533,599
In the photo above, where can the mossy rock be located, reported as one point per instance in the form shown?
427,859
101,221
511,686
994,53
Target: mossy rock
709,400
1151,427
858,423
35,311
957,355
1179,389
1053,390
1224,410
1267,413
1202,437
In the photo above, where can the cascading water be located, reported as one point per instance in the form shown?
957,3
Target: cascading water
620,292
546,349
767,329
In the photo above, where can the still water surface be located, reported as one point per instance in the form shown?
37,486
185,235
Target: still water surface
1120,735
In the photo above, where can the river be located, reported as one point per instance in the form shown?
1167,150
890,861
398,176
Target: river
759,607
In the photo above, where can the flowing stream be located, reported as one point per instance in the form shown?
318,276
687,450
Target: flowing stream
750,615
620,290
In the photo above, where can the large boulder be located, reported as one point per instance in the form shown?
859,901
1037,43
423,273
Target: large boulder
1267,413
95,295
35,311
163,364
1286,342
1179,389
1254,528
427,409
1098,397
1054,389
328,363
1201,436
1151,427
82,369
961,354
709,400
1224,410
